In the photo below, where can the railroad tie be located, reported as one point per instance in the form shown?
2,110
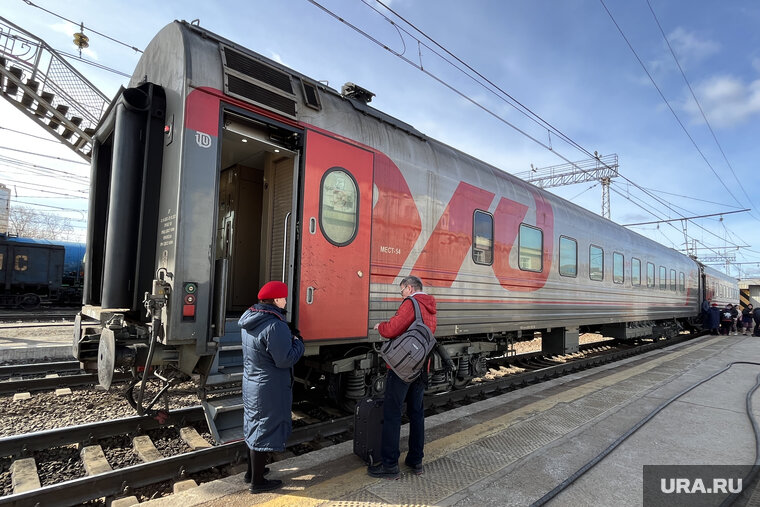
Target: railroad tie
94,460
24,475
300,416
127,501
191,437
184,485
145,449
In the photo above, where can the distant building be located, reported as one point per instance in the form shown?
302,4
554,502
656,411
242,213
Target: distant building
749,291
5,208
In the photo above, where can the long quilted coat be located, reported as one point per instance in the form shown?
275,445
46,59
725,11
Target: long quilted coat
269,353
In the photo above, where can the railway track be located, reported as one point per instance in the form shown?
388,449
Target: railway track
39,315
47,376
309,427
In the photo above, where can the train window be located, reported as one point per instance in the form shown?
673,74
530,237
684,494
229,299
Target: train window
482,238
617,267
568,256
673,279
596,263
339,206
635,271
650,275
663,278
531,248
681,282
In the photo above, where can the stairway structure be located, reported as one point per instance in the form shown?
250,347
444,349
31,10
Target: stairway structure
46,88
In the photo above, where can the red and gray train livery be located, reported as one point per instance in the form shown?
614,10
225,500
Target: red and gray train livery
218,170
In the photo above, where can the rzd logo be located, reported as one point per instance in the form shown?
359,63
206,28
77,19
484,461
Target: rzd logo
203,140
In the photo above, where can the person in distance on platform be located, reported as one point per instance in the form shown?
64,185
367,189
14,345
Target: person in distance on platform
726,320
270,350
734,317
704,311
747,318
713,319
396,390
756,317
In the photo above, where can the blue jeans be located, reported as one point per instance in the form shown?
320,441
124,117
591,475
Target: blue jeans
396,390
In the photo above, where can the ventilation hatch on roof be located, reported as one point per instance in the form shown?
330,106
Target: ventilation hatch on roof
255,81
311,94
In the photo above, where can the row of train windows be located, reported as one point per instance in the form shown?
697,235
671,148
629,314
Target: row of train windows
338,220
530,247
722,291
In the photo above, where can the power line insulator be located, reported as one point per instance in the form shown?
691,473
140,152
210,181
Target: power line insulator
81,40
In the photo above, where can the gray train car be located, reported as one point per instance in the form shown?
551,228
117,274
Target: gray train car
218,170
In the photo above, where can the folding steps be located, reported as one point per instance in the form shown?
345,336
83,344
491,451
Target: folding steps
47,89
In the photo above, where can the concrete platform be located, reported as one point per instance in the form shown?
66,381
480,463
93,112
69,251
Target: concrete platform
27,342
513,449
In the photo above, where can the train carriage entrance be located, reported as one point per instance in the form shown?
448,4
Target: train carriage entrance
333,297
254,228
256,206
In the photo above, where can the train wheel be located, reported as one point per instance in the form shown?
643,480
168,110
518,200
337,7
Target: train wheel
29,301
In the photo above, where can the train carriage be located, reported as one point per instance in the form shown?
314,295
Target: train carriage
30,272
218,170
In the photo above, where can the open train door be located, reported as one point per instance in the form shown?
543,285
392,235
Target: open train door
333,297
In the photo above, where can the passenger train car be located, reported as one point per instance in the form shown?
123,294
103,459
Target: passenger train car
218,170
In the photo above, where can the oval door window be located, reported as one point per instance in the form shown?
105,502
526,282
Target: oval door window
338,206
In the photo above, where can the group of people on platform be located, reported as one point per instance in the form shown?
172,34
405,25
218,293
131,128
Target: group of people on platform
730,320
270,350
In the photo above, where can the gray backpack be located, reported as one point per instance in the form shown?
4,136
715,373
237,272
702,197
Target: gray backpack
407,353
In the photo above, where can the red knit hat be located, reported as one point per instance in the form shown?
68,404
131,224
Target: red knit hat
273,290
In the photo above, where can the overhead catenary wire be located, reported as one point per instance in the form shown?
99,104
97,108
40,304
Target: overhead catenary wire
701,111
473,101
26,152
31,135
667,103
530,113
32,4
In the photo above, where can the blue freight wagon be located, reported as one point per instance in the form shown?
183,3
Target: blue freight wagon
34,271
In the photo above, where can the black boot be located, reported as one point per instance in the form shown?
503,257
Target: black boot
259,483
247,476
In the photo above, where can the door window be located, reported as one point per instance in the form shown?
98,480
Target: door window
338,206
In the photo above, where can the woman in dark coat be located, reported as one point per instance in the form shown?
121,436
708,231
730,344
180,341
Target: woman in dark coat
713,319
269,352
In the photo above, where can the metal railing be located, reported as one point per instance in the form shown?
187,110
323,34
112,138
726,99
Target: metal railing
49,90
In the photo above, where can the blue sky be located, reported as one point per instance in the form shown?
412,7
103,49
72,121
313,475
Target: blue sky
565,60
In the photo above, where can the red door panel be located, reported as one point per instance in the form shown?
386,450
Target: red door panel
335,239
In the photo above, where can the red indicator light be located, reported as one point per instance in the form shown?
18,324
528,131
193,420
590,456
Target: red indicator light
188,311
167,129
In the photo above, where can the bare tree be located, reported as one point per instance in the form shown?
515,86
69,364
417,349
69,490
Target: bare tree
31,223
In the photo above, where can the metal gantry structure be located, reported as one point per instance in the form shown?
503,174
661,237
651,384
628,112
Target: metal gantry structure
49,90
599,168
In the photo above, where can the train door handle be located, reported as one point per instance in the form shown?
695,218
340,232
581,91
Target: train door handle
312,225
285,247
309,295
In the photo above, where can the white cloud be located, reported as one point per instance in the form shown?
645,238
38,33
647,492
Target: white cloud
689,47
726,101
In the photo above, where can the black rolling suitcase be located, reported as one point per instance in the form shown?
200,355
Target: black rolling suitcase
368,429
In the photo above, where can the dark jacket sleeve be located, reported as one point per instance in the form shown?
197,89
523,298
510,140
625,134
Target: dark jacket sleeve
284,349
